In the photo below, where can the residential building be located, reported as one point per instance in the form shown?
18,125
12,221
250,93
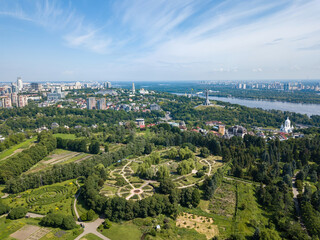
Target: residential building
36,86
19,84
155,107
6,102
56,94
133,89
91,103
14,98
107,84
22,100
238,131
222,130
140,122
101,104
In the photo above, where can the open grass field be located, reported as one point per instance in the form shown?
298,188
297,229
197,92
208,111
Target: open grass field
114,146
16,148
90,236
126,230
224,200
248,209
57,198
203,107
65,135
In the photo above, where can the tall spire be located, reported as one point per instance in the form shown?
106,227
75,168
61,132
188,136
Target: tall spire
207,102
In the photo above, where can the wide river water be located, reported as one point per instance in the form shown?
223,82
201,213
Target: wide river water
303,108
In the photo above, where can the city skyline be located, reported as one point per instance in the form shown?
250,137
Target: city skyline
159,40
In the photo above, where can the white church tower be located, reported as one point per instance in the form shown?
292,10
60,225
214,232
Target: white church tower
287,128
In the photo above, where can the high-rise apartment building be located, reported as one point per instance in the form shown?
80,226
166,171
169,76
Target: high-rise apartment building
91,103
101,104
19,83
36,86
133,89
14,98
107,84
22,101
6,102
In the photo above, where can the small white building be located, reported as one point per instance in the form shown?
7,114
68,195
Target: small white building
140,122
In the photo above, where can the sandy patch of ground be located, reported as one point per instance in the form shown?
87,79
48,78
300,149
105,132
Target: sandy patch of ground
203,225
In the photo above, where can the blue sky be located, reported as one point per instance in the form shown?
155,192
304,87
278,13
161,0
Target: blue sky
99,40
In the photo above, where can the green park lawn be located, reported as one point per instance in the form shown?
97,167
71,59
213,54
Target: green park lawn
126,230
22,145
90,236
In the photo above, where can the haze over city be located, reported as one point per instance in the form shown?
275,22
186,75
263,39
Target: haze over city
159,40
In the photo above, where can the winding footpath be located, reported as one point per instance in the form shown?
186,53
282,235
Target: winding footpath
90,227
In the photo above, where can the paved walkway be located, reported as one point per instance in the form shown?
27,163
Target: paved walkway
90,227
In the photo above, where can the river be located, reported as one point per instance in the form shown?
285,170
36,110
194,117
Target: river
303,108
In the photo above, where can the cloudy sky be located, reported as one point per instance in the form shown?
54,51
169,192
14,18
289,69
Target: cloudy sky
98,40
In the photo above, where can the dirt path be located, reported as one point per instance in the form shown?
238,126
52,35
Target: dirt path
75,201
210,166
122,173
84,158
58,157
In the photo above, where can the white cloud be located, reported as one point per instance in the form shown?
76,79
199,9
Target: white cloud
186,39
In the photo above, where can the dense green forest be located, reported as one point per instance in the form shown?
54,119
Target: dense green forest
271,166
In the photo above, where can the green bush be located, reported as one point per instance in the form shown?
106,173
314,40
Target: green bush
18,212
58,221
4,209
107,224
